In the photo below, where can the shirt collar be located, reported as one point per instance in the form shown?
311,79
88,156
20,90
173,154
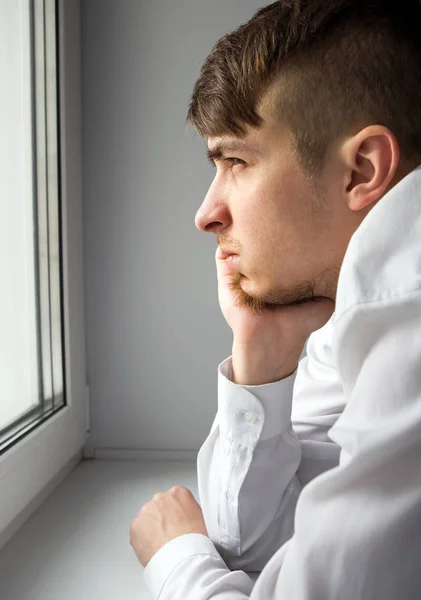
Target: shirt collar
383,258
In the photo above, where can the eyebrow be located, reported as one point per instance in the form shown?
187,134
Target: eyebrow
222,149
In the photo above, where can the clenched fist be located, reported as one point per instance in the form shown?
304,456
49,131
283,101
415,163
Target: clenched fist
167,516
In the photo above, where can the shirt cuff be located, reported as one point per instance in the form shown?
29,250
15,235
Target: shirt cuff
163,562
253,412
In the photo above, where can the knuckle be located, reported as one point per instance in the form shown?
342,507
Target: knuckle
179,490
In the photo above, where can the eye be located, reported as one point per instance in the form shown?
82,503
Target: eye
235,161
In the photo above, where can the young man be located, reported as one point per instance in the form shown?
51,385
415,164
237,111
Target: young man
311,473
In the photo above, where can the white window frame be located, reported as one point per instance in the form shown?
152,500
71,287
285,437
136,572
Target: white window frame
31,468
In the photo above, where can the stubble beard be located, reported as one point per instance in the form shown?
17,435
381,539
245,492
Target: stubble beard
277,300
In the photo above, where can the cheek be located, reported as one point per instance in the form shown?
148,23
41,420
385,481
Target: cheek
258,205
272,216
255,225
260,230
278,247
267,210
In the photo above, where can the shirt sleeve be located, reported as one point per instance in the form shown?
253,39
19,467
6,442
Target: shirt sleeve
254,463
356,525
190,568
251,441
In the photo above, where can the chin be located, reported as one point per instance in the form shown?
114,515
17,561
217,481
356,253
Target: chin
259,298
248,295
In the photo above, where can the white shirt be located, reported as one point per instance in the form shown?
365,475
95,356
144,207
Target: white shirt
315,480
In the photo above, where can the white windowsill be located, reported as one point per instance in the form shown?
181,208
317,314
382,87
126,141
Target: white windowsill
77,543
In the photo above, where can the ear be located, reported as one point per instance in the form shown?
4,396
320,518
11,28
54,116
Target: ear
371,158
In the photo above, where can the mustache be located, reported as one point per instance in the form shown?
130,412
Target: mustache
226,242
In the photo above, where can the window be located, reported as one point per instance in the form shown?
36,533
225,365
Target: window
31,341
38,454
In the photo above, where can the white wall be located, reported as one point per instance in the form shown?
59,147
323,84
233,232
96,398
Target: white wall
155,334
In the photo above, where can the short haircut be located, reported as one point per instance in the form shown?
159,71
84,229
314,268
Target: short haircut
332,66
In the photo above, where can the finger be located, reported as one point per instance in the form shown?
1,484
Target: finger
219,260
218,254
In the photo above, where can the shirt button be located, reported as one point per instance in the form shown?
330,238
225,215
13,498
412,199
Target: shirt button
251,417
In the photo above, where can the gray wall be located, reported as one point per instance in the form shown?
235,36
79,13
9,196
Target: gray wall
155,334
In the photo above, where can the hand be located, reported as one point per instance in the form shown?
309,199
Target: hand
167,516
267,346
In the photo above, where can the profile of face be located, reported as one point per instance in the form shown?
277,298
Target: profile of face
288,230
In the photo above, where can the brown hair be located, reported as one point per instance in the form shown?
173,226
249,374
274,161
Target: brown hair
331,65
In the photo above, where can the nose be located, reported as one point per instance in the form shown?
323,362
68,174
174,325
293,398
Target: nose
213,216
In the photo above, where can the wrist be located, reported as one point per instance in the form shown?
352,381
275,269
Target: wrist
256,365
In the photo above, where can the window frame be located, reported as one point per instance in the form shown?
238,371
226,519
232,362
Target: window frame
34,465
43,140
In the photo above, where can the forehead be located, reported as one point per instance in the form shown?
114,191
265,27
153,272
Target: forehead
229,144
257,139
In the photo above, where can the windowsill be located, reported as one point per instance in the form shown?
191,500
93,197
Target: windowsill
77,544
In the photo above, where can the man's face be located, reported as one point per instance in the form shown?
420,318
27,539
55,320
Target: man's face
290,231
